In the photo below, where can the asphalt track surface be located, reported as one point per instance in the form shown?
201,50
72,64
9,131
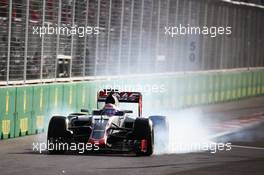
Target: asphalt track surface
246,156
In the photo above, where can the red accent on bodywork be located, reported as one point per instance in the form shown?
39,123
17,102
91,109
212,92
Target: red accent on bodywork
140,106
144,145
100,142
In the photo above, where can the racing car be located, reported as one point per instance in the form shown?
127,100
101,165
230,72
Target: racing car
108,128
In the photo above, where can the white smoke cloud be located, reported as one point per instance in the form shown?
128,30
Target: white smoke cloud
187,132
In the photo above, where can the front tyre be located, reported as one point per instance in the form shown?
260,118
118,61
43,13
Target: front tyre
144,136
58,135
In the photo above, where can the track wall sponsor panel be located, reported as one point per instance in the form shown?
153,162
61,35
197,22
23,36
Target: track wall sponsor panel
7,112
40,107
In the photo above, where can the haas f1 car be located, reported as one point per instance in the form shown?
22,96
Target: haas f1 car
109,128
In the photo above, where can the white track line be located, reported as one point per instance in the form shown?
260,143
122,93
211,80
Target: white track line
247,147
244,4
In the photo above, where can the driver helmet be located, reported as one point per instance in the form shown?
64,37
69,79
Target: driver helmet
111,99
111,103
110,109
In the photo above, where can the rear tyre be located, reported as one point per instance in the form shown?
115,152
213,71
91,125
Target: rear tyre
143,131
58,135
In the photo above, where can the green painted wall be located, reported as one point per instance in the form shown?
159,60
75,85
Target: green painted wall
26,109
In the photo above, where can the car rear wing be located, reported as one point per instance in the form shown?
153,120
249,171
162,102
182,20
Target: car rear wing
123,97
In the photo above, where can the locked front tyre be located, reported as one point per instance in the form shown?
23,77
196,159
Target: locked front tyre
144,136
161,132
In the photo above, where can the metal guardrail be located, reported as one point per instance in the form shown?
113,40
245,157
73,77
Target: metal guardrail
132,38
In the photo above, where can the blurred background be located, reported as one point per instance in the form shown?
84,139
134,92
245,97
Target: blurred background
132,37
